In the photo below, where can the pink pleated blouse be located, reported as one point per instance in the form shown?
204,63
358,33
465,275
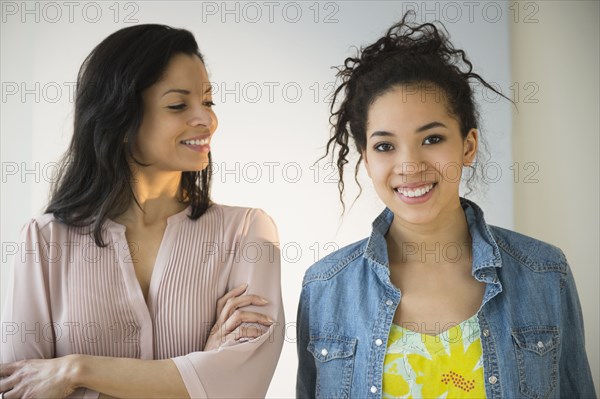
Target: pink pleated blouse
67,295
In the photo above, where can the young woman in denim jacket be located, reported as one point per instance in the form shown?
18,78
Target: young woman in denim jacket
435,303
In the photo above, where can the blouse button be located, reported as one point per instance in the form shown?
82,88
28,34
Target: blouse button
493,379
486,333
324,352
378,342
389,302
540,344
373,389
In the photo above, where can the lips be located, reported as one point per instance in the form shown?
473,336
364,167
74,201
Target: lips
204,141
415,192
200,144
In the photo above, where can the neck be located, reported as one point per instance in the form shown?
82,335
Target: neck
158,197
444,240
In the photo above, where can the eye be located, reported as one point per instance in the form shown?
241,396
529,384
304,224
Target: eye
383,147
177,107
209,104
433,140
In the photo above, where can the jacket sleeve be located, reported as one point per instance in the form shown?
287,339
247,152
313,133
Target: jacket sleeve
27,325
574,369
306,376
244,369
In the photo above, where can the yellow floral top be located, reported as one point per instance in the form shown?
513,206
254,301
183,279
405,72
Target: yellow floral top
448,365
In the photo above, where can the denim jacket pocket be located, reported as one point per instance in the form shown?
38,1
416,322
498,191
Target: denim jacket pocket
334,360
536,349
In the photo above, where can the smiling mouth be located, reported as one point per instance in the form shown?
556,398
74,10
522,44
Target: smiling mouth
416,192
195,142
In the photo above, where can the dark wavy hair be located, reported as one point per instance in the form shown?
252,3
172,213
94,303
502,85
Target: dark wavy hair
93,183
408,54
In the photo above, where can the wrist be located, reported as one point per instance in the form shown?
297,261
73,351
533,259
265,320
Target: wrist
75,365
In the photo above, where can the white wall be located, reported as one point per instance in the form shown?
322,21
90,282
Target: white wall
559,136
288,130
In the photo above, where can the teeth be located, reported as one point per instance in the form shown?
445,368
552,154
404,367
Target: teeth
415,193
195,142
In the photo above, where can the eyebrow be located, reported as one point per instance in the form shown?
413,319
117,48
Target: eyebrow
383,133
180,91
186,92
430,126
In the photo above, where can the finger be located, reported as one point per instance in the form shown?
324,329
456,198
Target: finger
6,384
15,393
236,303
236,319
237,291
7,369
239,316
246,332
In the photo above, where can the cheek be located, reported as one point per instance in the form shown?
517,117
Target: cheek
215,121
445,157
155,136
449,166
379,168
146,131
162,129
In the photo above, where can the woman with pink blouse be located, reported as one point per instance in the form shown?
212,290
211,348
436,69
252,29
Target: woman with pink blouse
133,283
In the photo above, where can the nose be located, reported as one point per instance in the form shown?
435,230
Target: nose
202,117
409,161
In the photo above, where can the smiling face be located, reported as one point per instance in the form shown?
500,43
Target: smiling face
178,120
415,153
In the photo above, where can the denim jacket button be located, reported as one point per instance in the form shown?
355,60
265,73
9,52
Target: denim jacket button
324,352
389,302
540,344
486,333
493,379
373,389
378,342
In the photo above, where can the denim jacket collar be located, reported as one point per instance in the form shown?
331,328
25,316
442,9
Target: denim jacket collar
376,250
484,248
485,251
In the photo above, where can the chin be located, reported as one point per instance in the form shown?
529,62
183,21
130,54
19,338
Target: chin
197,166
414,216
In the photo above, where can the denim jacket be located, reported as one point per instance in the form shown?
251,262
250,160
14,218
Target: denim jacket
530,318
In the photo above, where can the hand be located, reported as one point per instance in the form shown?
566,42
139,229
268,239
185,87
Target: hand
230,317
38,378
